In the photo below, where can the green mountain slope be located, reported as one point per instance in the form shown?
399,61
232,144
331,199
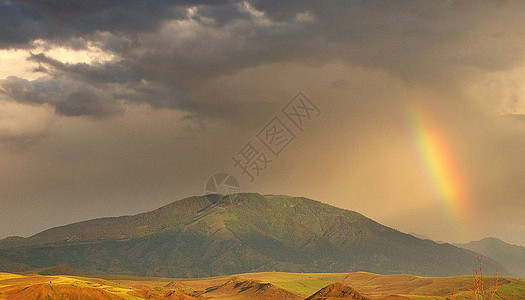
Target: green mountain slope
512,257
12,267
237,234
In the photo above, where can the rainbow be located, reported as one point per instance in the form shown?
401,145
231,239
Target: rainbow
438,159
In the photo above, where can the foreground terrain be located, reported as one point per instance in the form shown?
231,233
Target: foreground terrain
269,285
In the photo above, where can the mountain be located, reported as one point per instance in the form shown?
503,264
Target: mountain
512,257
218,235
420,236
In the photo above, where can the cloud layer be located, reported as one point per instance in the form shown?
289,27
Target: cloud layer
163,49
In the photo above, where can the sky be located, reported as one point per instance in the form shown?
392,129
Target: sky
413,112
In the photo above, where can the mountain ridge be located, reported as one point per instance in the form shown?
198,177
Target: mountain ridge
512,257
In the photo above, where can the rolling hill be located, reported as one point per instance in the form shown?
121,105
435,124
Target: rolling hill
57,270
512,257
219,235
238,288
337,291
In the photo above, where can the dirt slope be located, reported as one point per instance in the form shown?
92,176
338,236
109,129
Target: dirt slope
47,292
237,288
337,291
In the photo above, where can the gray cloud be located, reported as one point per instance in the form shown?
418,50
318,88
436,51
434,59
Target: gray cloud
95,73
18,26
69,98
74,97
57,20
85,102
36,92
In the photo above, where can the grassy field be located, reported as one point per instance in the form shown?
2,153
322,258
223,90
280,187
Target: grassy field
13,282
302,284
416,287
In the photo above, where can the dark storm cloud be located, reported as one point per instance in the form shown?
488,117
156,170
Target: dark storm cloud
94,73
27,20
85,102
114,25
23,90
73,97
19,25
220,15
407,40
417,42
69,98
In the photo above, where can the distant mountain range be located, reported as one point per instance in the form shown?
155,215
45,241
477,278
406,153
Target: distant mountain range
219,235
512,257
